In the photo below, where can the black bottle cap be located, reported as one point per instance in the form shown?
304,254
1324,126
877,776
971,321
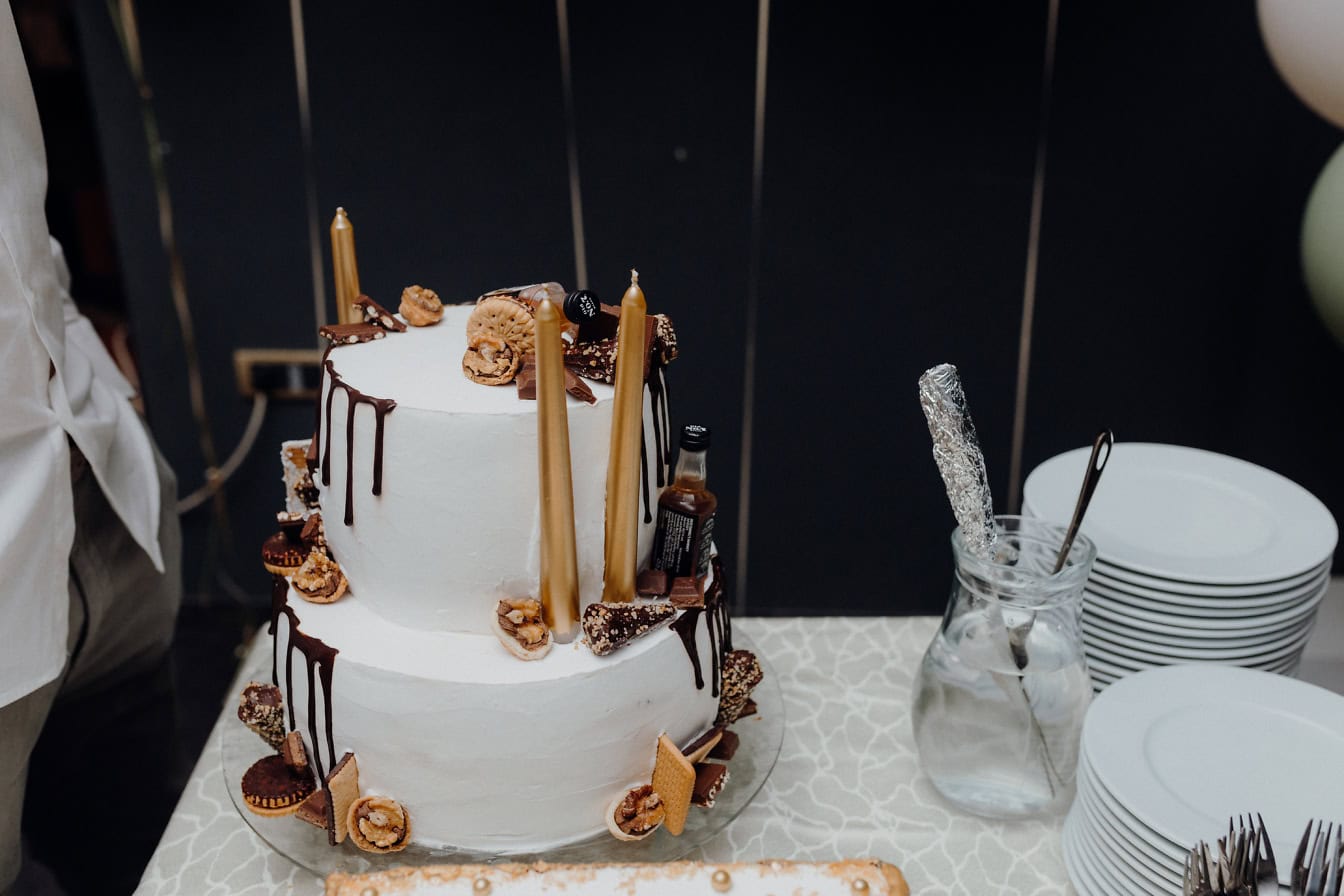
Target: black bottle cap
581,307
695,437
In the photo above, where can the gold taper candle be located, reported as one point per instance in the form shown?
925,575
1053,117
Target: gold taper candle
559,562
627,417
344,270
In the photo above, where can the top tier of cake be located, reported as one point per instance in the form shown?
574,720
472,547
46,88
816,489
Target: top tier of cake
456,524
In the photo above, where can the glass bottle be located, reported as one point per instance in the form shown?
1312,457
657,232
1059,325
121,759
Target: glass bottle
998,703
681,543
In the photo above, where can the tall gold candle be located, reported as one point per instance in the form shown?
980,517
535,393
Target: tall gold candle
345,273
559,563
627,417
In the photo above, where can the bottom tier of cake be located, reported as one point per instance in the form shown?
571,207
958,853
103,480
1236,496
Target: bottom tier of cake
488,752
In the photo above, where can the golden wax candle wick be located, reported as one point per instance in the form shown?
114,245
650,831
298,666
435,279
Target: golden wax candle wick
559,555
623,467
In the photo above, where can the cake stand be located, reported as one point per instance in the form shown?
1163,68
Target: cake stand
761,736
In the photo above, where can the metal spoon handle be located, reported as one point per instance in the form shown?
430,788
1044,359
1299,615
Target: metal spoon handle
1103,442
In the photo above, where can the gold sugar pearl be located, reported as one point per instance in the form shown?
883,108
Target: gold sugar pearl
721,881
480,886
859,886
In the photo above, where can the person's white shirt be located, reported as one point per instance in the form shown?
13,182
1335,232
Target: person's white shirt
56,379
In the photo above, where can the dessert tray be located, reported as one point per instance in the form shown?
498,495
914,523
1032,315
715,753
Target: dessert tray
761,737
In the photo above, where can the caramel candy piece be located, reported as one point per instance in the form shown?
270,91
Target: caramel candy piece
709,780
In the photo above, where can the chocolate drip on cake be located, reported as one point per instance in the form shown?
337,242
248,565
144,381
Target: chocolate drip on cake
662,425
715,612
353,398
644,479
319,658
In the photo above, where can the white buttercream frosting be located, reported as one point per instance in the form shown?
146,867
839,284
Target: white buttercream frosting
458,523
489,752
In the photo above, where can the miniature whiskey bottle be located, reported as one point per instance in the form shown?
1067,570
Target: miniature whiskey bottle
681,544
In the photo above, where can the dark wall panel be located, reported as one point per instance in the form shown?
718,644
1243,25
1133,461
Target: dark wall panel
1171,301
664,115
897,189
439,128
224,103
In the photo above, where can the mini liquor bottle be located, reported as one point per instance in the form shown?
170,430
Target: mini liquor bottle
681,544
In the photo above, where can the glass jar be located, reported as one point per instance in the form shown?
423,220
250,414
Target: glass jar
998,703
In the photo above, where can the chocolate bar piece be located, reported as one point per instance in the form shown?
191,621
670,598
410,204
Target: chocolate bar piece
687,591
652,583
349,334
526,380
709,780
700,748
376,314
727,746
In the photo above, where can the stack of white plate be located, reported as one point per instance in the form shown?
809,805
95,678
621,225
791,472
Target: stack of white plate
1200,558
1169,755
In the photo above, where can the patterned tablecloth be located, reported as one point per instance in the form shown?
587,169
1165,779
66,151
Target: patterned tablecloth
847,785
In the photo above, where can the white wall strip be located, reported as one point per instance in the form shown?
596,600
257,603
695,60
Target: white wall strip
572,142
321,314
1033,260
753,301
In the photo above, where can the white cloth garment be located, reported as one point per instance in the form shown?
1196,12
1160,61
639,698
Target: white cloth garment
56,379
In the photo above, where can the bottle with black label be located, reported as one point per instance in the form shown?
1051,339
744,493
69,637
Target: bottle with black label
686,508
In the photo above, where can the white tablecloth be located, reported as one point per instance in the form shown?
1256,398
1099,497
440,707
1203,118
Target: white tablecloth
847,785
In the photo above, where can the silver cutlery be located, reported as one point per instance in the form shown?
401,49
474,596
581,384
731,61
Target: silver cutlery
1244,863
1319,873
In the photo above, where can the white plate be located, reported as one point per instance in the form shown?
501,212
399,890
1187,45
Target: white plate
1120,667
1262,653
1079,862
1097,601
1197,616
1105,628
1125,848
1190,515
1157,847
1273,662
1199,589
1206,603
1161,743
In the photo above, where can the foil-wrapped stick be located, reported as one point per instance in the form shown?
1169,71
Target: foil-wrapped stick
957,453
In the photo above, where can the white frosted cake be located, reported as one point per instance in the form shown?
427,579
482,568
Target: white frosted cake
398,686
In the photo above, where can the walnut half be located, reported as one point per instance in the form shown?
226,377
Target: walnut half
520,627
636,814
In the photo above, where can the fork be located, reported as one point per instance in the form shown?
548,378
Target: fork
1243,864
1320,875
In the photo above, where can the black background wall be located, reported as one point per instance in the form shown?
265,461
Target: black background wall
898,160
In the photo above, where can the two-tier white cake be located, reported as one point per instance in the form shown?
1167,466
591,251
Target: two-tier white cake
429,497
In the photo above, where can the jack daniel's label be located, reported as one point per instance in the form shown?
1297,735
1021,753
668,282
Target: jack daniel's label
682,542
